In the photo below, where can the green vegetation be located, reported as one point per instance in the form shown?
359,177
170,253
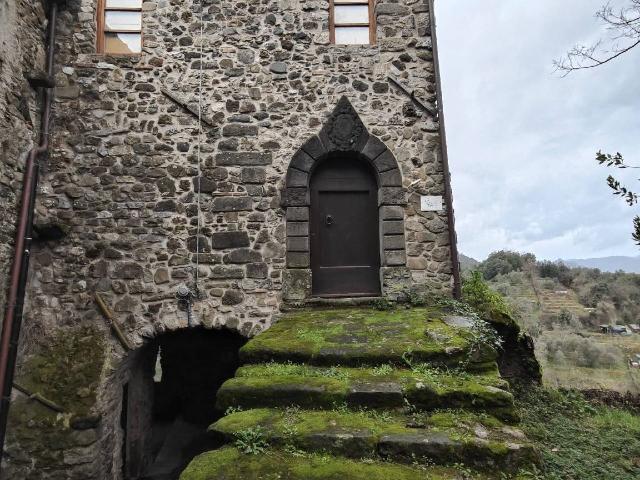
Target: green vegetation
230,464
562,308
67,369
363,337
251,440
579,441
424,385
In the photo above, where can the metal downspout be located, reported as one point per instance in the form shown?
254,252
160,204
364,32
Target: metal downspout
448,194
20,266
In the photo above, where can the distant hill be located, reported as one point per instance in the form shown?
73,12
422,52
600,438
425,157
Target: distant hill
608,264
467,263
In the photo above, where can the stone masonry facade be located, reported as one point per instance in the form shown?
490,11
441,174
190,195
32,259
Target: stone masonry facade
150,198
21,54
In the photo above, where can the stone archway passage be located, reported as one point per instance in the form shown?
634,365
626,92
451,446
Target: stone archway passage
345,258
169,399
345,136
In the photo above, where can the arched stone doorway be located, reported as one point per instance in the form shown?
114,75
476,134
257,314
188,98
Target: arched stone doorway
344,139
168,390
344,253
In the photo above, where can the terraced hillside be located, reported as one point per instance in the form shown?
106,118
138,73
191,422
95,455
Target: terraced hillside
362,394
534,294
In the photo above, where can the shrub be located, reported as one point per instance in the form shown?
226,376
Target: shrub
489,304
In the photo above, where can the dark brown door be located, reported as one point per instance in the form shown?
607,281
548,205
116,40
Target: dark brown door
345,258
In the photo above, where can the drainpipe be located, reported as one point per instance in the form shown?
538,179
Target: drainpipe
22,248
448,194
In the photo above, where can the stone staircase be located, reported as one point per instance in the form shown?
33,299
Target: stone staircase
363,394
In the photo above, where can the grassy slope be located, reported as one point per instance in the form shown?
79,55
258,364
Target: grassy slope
579,441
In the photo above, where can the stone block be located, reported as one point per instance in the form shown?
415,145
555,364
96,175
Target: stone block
231,204
223,272
314,147
385,161
298,214
297,178
393,227
243,159
298,260
253,175
204,185
223,240
393,242
302,161
297,229
243,255
232,297
294,197
392,213
395,258
373,148
296,284
128,271
298,244
257,270
391,178
392,196
239,130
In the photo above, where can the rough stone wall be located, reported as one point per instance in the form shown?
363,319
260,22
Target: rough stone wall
126,163
22,52
124,166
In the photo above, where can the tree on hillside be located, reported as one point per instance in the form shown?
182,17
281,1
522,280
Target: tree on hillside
623,34
504,262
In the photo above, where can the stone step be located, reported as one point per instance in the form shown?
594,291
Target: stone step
360,337
230,464
386,387
477,441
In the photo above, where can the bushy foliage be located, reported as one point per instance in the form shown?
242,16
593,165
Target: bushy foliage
504,262
581,352
488,303
556,270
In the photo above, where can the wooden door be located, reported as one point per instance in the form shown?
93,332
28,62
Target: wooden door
345,254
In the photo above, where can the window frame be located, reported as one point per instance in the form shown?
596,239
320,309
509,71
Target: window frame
371,24
101,29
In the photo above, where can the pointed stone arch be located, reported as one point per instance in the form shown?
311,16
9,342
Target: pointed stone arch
344,132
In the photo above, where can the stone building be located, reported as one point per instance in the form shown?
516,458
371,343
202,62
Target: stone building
244,154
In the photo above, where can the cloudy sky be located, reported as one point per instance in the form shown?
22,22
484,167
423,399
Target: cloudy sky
522,140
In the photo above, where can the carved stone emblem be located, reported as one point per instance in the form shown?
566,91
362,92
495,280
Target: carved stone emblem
344,128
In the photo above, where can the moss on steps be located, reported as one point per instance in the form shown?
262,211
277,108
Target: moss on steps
229,464
355,337
273,384
322,368
445,437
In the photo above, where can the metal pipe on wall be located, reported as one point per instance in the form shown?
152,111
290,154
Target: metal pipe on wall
22,248
448,193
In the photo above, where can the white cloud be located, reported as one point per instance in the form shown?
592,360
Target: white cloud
522,140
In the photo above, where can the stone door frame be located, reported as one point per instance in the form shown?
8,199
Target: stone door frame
343,133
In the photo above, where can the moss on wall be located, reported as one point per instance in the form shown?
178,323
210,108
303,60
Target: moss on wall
67,369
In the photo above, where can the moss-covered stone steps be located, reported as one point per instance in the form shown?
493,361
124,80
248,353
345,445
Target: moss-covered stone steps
479,441
357,337
356,393
230,464
425,388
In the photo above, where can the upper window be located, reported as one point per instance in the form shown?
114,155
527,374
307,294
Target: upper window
352,22
120,26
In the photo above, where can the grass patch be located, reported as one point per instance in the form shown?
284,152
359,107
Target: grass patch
578,440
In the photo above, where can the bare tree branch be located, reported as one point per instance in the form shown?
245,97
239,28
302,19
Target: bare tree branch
623,26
